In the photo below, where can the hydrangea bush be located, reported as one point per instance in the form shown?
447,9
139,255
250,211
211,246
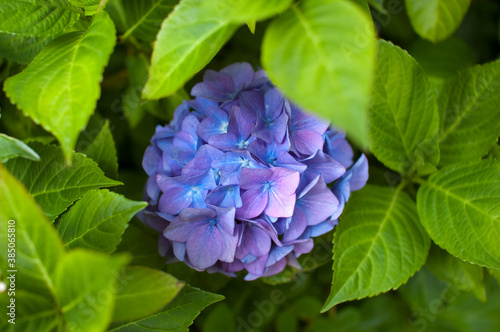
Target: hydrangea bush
239,179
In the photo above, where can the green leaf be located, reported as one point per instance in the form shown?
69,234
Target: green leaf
469,112
461,275
142,292
458,207
90,7
97,221
378,245
206,26
71,67
140,19
28,26
321,54
85,288
11,148
436,20
404,117
102,150
185,307
31,19
38,247
53,184
20,48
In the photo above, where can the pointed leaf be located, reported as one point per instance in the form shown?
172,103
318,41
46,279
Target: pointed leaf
53,184
185,307
436,20
11,148
458,207
469,112
404,117
97,221
140,19
71,67
143,292
102,150
378,245
321,53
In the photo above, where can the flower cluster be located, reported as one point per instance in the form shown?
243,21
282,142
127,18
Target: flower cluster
238,180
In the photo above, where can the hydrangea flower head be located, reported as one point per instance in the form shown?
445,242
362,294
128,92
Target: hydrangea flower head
242,179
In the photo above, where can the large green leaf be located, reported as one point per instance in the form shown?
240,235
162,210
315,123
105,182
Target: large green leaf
53,184
404,117
321,54
206,26
13,148
28,26
31,19
378,245
141,19
458,207
98,220
436,20
102,150
38,247
71,68
185,307
85,289
459,274
143,291
469,112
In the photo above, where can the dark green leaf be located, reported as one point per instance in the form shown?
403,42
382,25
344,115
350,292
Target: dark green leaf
462,275
102,150
141,19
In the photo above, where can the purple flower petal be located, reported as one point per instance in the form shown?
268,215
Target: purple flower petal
215,123
204,246
225,197
254,202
